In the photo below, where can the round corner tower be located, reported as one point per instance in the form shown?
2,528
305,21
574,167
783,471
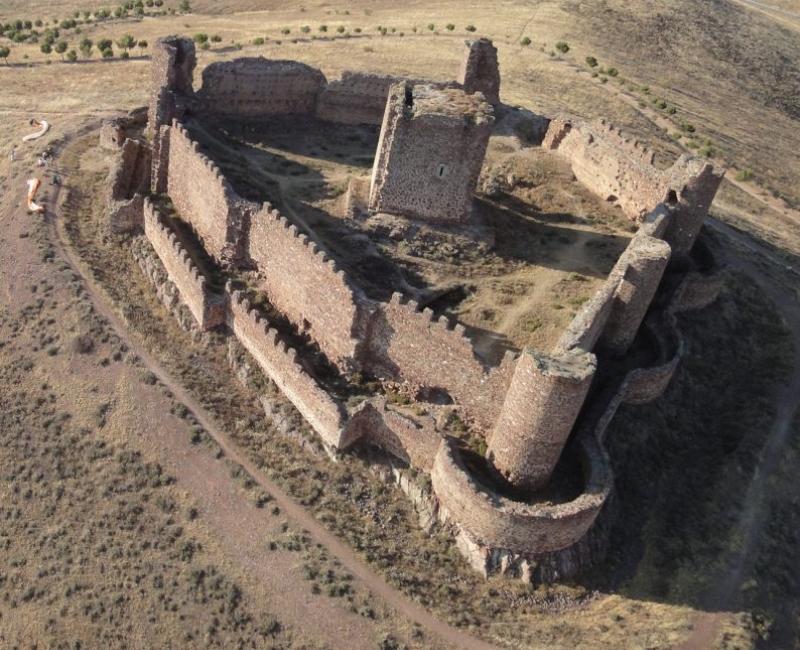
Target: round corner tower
541,406
430,153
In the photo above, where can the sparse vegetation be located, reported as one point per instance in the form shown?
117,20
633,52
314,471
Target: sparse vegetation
525,41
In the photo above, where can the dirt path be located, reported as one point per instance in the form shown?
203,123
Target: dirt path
295,513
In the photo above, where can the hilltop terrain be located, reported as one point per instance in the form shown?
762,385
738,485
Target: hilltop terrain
147,503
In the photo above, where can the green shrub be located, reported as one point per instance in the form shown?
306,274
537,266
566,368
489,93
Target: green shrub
471,28
323,28
431,27
340,29
216,38
200,38
744,175
305,29
591,61
562,46
525,41
258,41
286,31
72,56
107,53
46,48
4,53
612,72
450,27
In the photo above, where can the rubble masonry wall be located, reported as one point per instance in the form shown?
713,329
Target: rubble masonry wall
207,307
255,86
306,285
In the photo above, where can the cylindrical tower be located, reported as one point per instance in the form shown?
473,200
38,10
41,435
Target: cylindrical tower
540,409
645,260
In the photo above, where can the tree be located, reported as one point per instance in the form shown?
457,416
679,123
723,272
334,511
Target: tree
126,42
431,27
72,56
450,27
107,53
143,45
216,38
200,38
46,48
61,47
340,29
104,44
4,52
86,47
185,7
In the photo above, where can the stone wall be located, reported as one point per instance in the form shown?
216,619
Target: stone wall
129,178
407,344
207,307
414,441
620,169
205,199
279,362
432,145
356,98
306,285
255,86
496,522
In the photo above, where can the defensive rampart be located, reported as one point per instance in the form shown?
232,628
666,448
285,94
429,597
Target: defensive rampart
498,522
205,199
256,86
319,300
279,362
409,344
621,169
207,307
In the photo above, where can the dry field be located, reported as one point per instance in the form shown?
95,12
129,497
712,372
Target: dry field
123,521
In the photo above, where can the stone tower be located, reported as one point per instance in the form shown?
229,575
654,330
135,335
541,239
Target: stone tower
431,149
542,403
480,72
171,70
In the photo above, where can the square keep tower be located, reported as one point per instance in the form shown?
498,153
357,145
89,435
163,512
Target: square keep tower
431,149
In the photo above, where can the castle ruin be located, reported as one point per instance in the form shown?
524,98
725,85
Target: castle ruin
537,412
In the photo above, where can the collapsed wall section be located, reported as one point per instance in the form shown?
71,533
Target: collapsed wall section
480,71
279,362
128,179
305,284
255,86
409,344
620,169
205,199
207,307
